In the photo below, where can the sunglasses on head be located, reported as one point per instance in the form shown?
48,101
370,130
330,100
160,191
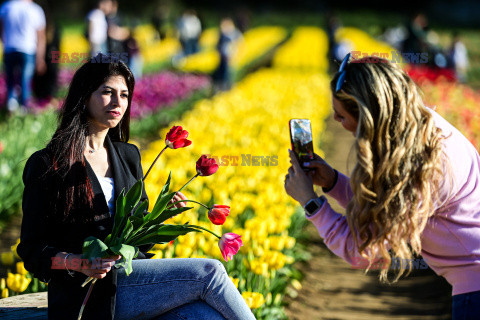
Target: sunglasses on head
342,71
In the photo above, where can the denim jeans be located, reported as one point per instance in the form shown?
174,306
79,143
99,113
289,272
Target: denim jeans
24,64
170,289
466,306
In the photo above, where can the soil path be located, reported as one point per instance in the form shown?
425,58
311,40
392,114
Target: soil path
333,290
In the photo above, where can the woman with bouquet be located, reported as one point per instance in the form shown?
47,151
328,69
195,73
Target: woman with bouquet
415,186
70,191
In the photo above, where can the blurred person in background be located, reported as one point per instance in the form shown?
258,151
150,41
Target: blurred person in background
226,47
22,25
458,58
116,33
159,21
97,27
189,29
45,85
415,188
332,25
135,59
416,36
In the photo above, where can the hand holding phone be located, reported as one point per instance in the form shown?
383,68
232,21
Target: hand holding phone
302,142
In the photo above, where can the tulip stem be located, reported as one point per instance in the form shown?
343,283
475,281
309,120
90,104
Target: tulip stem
198,227
87,281
86,298
189,201
187,183
154,163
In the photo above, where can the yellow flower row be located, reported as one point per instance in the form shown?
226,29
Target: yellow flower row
246,123
256,42
304,50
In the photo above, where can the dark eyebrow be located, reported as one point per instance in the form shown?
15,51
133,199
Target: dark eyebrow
114,89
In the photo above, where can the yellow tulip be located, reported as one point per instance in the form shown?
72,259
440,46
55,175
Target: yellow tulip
21,268
17,282
254,300
5,293
14,248
2,284
7,258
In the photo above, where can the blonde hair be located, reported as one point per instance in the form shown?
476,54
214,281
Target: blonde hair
399,162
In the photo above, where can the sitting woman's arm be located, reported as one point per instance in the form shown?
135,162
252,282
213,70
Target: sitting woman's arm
33,247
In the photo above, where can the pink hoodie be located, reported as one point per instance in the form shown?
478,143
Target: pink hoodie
451,238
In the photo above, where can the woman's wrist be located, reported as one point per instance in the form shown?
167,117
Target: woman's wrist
335,179
66,261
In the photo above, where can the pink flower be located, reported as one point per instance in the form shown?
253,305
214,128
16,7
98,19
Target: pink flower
206,166
229,245
1,147
177,138
218,214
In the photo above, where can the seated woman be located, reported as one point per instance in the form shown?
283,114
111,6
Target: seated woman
416,183
70,191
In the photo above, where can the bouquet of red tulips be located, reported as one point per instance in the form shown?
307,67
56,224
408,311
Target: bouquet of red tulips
135,226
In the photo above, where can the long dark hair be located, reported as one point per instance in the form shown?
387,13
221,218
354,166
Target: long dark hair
68,142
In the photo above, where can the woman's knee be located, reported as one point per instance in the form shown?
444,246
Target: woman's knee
213,267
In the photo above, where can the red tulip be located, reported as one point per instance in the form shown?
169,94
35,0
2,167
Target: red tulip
177,138
1,147
218,214
229,245
206,166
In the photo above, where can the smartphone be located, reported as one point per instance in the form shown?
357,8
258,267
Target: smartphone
302,142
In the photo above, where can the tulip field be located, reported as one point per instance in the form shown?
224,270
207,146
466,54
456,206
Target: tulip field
244,129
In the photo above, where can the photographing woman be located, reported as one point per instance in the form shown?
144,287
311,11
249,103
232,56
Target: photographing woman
70,191
415,187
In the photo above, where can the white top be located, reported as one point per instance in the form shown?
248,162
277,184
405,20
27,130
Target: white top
21,21
98,33
108,190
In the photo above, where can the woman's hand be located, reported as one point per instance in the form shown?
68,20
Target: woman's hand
179,196
298,185
95,270
323,175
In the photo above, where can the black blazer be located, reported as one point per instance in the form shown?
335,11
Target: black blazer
42,238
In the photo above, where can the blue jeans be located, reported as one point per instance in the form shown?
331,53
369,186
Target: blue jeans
170,289
24,64
466,306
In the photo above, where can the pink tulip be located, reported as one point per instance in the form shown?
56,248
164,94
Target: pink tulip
229,245
218,214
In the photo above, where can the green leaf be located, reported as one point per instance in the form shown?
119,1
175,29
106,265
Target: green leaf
136,234
167,214
126,231
160,205
141,209
164,233
166,187
119,214
133,196
128,253
94,248
136,222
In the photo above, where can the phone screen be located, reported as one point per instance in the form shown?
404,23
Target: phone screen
302,142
